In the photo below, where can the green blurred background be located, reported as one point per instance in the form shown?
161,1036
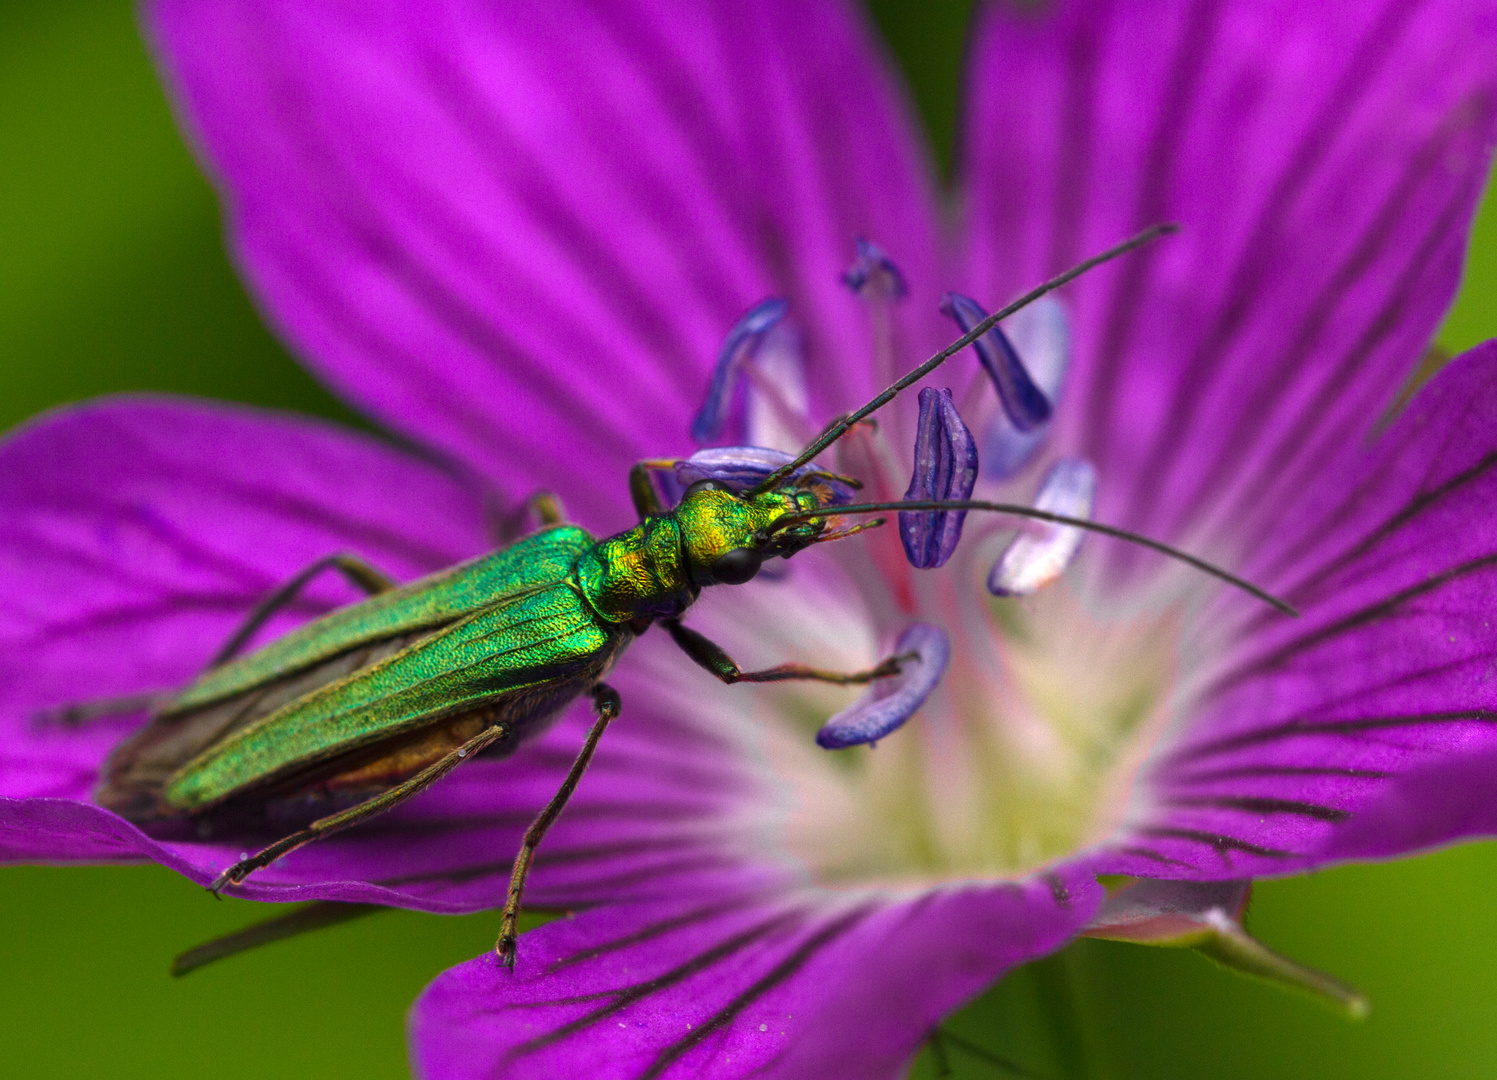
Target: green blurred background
113,277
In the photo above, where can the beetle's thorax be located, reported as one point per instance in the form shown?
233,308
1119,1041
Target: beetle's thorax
656,569
637,574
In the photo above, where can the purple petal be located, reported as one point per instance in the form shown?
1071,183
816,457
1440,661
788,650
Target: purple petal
1024,403
945,468
1041,551
874,266
1450,798
737,349
888,703
766,980
741,467
1307,727
519,231
1041,335
1324,162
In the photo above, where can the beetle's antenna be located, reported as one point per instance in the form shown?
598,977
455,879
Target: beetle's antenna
836,430
1020,510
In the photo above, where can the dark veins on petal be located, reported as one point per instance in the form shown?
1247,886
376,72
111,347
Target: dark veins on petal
1257,259
1388,318
1174,112
1244,772
1302,728
782,972
1222,844
1351,623
1252,804
1319,582
658,929
773,928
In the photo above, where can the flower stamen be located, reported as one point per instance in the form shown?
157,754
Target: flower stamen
741,345
1041,551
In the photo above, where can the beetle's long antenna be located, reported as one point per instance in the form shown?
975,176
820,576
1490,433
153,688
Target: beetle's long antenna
842,426
1020,510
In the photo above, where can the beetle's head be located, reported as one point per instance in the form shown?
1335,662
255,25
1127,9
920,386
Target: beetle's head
727,536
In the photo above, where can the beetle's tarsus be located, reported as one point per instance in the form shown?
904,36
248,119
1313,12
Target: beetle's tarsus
505,949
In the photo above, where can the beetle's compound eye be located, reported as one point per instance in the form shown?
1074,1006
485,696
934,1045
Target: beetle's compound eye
703,485
736,566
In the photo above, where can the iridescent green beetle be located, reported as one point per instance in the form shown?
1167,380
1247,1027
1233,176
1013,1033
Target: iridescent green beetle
361,709
376,701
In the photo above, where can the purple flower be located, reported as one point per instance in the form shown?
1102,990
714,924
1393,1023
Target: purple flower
518,234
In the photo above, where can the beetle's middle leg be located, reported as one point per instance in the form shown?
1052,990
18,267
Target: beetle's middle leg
359,573
608,705
369,808
711,656
544,507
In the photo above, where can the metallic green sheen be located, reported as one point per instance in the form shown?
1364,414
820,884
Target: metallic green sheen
522,631
540,636
540,559
640,573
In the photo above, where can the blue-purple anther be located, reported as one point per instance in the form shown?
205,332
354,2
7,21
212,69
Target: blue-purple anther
873,266
741,467
945,468
888,703
739,346
1041,551
1041,335
1024,402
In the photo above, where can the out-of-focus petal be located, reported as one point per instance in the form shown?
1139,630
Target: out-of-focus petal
1323,161
738,983
1041,551
1308,725
520,231
945,468
888,703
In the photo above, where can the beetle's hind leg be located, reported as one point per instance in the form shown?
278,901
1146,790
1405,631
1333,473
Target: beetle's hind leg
354,814
712,657
607,703
358,573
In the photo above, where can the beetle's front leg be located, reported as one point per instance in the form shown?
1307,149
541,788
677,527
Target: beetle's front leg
642,487
607,703
712,657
